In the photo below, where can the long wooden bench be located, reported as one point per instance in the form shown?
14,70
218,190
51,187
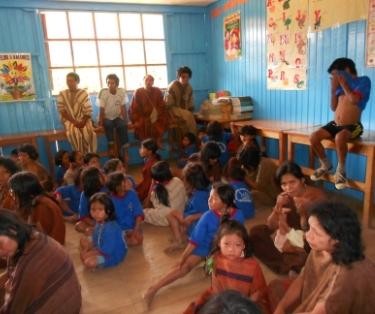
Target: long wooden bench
364,146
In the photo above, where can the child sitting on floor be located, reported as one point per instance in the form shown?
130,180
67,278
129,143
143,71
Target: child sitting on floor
92,160
188,147
129,212
106,247
62,165
75,162
115,164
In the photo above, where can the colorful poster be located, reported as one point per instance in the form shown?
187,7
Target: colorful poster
370,42
16,81
287,44
232,36
328,13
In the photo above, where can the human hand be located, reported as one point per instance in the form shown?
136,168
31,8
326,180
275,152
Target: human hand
188,220
282,200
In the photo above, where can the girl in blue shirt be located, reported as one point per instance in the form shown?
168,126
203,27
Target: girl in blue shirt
221,203
129,211
106,247
62,165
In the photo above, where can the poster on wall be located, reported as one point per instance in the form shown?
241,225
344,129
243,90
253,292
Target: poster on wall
370,41
287,23
16,80
329,13
232,36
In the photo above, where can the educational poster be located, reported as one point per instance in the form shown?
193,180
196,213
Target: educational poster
232,36
287,44
328,13
370,41
16,80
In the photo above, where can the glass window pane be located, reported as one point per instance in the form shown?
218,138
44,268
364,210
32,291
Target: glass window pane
133,52
81,25
84,53
89,79
134,77
109,52
106,25
130,25
153,27
159,72
56,24
113,70
155,52
60,54
58,77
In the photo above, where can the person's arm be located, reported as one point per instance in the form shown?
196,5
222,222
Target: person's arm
353,97
187,252
191,218
291,296
334,97
101,117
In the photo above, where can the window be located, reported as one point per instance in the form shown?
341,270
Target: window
95,44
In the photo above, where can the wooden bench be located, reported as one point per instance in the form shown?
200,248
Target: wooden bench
18,139
364,146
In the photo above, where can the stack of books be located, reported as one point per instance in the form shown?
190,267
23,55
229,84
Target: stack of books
242,104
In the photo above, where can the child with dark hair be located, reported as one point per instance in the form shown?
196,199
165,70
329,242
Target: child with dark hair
202,132
210,159
91,160
62,164
222,208
216,133
115,164
75,163
236,178
167,195
106,247
188,147
129,212
7,168
233,267
148,152
14,155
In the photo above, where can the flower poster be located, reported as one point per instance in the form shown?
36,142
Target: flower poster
370,41
287,23
232,36
16,80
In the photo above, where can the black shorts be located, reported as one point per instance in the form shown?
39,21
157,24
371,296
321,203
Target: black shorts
355,129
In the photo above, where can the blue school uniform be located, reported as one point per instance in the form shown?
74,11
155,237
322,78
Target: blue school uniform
197,203
243,198
204,232
71,194
127,208
185,154
223,144
107,238
83,208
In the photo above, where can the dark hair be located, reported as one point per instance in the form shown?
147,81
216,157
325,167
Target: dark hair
184,69
250,157
14,152
229,302
210,150
59,157
227,196
15,228
111,165
202,129
77,178
112,77
191,137
234,227
74,75
342,224
29,150
288,167
151,145
105,200
234,170
215,131
87,158
248,130
161,173
91,181
73,155
341,64
195,176
10,166
114,180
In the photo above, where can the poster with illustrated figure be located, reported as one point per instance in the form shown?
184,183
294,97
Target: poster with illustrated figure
330,13
232,36
16,80
287,23
370,42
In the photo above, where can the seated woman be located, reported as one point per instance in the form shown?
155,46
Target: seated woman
8,167
37,207
279,244
337,278
40,276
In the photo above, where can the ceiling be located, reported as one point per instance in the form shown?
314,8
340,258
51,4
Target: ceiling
164,2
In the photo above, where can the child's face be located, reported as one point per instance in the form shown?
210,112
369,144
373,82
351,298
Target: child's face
78,159
122,188
245,139
292,185
185,142
23,158
215,203
120,167
97,212
231,246
144,152
65,160
94,162
213,161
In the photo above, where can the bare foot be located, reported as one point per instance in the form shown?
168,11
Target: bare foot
149,296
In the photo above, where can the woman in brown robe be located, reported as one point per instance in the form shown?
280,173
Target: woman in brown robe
40,277
7,168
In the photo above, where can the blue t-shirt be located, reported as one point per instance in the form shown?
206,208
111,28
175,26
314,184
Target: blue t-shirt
127,209
71,194
360,85
205,230
185,154
59,174
83,209
108,239
224,157
243,198
197,203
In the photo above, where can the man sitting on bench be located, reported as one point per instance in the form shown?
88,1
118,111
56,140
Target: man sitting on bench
349,96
